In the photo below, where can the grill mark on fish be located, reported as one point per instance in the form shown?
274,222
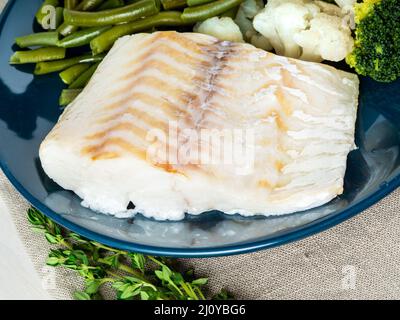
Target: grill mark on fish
280,94
165,48
184,42
264,86
122,126
157,63
265,184
282,111
143,116
168,168
279,165
280,122
100,149
163,67
155,40
160,65
170,109
125,126
204,82
97,151
209,72
106,155
152,83
167,107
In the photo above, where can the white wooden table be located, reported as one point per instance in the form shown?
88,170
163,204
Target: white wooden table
18,279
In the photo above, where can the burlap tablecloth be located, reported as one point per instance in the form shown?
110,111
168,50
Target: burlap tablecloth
359,259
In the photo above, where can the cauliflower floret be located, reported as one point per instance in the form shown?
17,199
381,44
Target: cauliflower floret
222,28
344,9
346,4
305,29
279,21
347,7
329,8
325,40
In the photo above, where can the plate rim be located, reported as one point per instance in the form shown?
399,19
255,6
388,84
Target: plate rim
298,233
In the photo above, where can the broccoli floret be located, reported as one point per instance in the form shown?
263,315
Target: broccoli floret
377,40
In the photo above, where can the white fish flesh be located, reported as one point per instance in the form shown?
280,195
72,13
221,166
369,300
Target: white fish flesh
141,135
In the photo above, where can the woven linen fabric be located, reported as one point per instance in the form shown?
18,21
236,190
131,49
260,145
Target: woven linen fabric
358,259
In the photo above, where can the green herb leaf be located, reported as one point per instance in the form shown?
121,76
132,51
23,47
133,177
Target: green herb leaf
52,261
138,261
131,275
200,282
144,295
79,295
92,286
223,295
112,260
51,239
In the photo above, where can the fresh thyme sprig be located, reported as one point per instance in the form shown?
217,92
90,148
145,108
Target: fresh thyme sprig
131,275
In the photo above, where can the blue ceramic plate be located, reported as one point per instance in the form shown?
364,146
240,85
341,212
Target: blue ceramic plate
29,109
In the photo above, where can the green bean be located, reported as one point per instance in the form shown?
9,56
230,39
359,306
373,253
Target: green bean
84,78
231,13
70,4
88,5
111,4
82,37
59,16
37,55
173,4
72,73
205,11
38,39
106,40
55,66
135,11
192,3
66,29
68,95
40,14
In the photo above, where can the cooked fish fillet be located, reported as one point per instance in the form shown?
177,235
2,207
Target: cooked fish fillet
293,124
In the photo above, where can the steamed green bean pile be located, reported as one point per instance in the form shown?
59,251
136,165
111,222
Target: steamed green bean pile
77,34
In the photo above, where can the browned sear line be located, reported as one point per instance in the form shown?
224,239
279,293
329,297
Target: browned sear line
218,54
